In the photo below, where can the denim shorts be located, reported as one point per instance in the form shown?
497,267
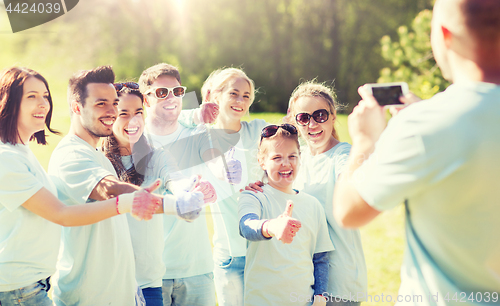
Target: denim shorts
31,295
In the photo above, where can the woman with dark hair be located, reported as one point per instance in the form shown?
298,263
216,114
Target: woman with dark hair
135,162
29,208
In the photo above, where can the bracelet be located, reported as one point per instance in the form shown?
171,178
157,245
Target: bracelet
117,210
267,232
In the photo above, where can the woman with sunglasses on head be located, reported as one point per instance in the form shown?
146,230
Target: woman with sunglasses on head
137,163
312,109
30,212
292,268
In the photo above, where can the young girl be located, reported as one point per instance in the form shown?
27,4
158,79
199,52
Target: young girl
312,109
233,91
292,272
29,207
135,162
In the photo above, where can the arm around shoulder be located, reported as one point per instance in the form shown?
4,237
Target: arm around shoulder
110,187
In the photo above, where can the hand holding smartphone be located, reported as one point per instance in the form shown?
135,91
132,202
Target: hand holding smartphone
388,93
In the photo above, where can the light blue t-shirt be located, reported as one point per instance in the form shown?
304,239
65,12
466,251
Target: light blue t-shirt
278,273
187,251
96,264
317,177
147,236
28,243
441,157
227,240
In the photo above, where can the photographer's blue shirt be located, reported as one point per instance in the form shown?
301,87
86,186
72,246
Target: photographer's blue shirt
441,158
96,264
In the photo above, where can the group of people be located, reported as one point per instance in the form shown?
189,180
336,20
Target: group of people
118,219
177,161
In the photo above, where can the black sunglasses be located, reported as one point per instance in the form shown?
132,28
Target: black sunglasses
131,85
271,130
320,116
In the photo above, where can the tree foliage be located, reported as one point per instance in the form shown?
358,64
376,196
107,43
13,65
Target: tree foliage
279,43
412,60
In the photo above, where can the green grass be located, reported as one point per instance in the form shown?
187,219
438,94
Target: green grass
383,239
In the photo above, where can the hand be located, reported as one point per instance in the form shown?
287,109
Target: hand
208,112
209,194
141,204
367,120
407,99
255,187
319,300
189,205
283,228
234,170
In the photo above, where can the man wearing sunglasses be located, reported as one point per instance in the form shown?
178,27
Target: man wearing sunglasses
187,251
440,158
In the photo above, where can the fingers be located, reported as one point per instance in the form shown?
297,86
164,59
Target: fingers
153,186
395,109
210,111
409,98
193,182
254,187
145,204
367,96
288,209
293,226
209,194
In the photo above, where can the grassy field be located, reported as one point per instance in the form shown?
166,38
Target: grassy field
382,239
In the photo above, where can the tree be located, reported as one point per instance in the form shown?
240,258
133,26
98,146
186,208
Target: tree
412,60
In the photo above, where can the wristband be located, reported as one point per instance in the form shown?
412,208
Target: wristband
170,205
124,204
117,205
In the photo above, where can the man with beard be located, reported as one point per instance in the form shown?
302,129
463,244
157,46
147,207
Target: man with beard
96,265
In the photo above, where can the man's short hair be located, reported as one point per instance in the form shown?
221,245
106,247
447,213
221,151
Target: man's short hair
77,89
150,75
482,18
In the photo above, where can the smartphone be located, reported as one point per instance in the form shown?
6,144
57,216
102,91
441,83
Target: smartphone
388,93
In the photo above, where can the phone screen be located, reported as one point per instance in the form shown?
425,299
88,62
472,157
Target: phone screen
387,95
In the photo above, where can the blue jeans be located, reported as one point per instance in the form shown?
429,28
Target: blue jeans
153,296
193,291
31,295
228,272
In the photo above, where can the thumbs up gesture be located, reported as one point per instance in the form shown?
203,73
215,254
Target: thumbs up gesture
283,228
141,204
234,170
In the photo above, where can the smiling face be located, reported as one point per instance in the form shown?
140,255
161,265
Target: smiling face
234,101
34,108
129,124
281,162
169,108
99,113
318,136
